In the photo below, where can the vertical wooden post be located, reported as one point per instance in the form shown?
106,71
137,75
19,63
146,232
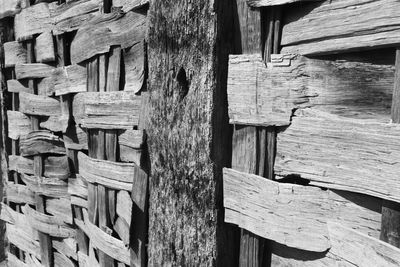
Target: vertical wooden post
390,225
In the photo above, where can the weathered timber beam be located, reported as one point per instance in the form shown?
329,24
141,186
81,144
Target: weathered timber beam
268,3
267,96
341,153
341,25
263,207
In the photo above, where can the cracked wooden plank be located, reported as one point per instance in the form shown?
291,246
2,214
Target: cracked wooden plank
41,142
341,25
106,30
265,207
341,153
267,95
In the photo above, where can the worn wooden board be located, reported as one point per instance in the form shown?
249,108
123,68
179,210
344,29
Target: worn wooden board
22,240
54,166
33,70
341,25
15,86
31,21
19,125
55,123
69,79
110,174
62,260
14,53
134,67
260,95
20,194
41,142
48,224
266,3
130,145
77,187
50,187
106,30
18,220
124,206
123,230
108,110
67,246
360,249
60,208
9,8
341,153
13,261
44,47
39,105
76,138
265,207
128,5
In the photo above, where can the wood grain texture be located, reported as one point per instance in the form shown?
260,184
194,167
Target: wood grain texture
39,105
22,240
110,110
18,193
33,71
76,138
123,230
18,220
106,30
128,5
134,63
14,53
78,187
110,174
263,207
44,48
41,142
260,95
353,247
59,208
15,86
50,187
19,125
130,145
62,260
48,224
69,79
341,153
31,21
340,25
266,3
54,166
124,206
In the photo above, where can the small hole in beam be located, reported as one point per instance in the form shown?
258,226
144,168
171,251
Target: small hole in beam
183,84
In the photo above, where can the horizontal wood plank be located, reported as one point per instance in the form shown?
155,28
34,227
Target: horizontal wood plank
15,86
292,215
341,25
78,187
18,193
50,187
340,153
130,145
39,105
106,30
33,71
14,53
266,3
267,96
54,166
41,142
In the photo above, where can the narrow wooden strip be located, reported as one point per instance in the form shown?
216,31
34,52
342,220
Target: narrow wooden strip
345,154
67,247
263,207
48,224
15,86
21,240
33,71
13,261
44,48
123,230
39,105
106,30
18,193
54,167
41,142
124,206
79,202
134,64
50,187
18,125
14,53
267,3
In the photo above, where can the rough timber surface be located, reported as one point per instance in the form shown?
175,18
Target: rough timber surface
106,30
341,153
267,95
14,53
19,125
39,105
55,167
263,207
266,3
9,8
41,142
341,25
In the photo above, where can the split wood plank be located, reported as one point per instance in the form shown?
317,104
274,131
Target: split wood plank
340,25
50,225
9,8
265,207
267,96
360,249
128,5
14,53
44,48
341,153
33,71
110,174
267,3
41,142
69,79
109,110
106,30
20,194
50,187
39,105
19,125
